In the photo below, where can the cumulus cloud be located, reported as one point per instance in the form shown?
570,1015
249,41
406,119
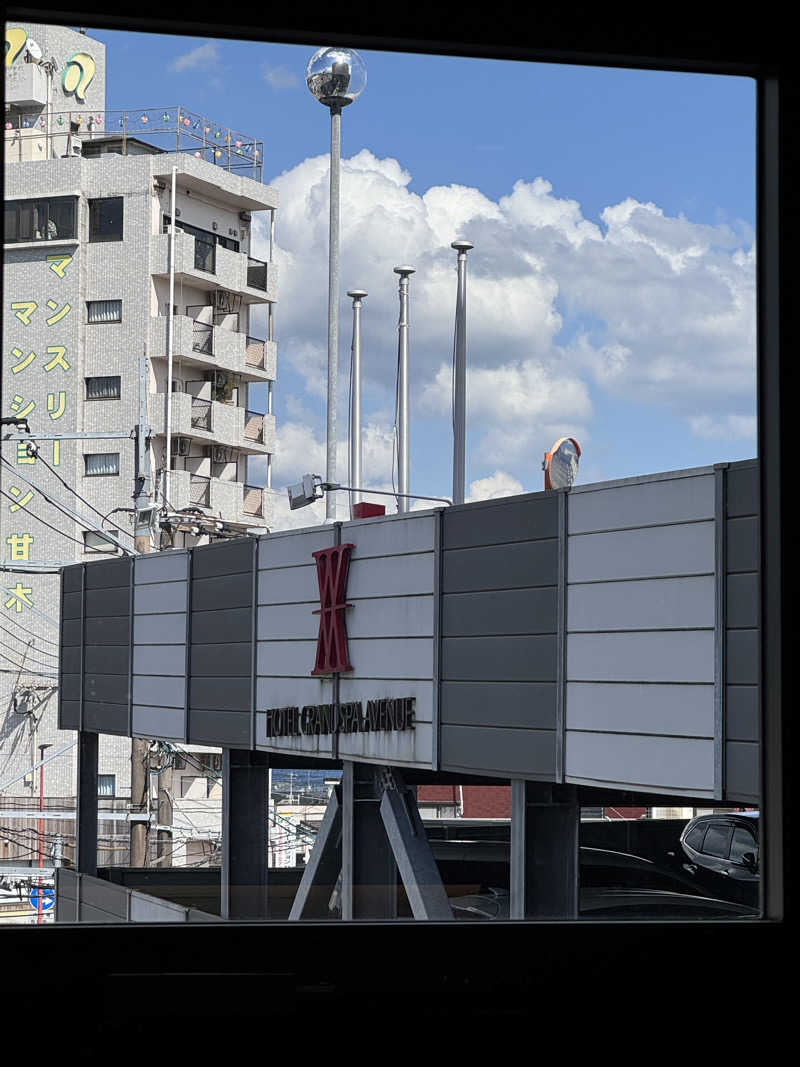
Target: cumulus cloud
561,309
501,483
202,56
280,78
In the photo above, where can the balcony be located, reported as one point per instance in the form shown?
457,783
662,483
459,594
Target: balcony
247,505
211,421
253,501
213,267
197,340
202,411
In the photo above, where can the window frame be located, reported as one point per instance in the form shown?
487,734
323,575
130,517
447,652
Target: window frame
102,322
19,203
101,377
105,238
104,474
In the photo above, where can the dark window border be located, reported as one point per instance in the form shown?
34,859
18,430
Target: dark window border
102,237
39,204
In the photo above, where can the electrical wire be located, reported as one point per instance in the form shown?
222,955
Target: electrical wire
55,528
37,637
42,651
38,663
22,667
78,495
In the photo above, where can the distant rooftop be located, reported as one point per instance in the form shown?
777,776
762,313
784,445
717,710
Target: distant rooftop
139,131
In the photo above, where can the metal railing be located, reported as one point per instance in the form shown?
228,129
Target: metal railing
199,490
202,338
201,414
256,274
253,500
168,129
254,352
205,256
254,426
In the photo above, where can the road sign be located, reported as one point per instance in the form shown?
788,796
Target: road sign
48,898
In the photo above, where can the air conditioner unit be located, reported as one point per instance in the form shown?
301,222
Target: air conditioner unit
245,216
182,446
77,148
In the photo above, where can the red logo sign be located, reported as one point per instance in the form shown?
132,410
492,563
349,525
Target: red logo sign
332,567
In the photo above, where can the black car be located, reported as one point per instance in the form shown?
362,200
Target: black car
602,902
720,853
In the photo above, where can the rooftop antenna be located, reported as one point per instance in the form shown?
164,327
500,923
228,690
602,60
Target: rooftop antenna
402,391
560,464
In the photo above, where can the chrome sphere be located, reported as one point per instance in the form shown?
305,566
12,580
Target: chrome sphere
336,76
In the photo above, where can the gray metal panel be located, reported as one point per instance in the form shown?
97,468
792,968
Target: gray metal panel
167,692
389,576
234,624
159,659
529,705
379,617
289,585
145,909
524,753
513,566
230,660
507,611
671,710
218,694
743,494
742,718
273,692
509,659
742,544
646,504
291,549
107,688
648,762
71,631
71,687
91,914
741,659
741,601
742,770
219,728
656,552
160,599
108,631
664,656
109,574
652,604
160,629
370,657
105,718
107,659
160,567
158,722
224,591
225,557
71,659
390,537
525,518
102,602
71,578
71,605
108,897
70,714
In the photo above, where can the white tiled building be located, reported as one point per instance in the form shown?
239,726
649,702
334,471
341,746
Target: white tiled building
87,264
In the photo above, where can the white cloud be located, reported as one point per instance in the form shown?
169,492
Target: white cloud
501,483
280,77
204,56
727,428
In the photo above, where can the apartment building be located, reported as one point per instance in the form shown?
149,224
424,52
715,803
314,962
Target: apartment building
88,332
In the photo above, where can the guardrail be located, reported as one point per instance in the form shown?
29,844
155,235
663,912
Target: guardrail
253,500
256,274
254,352
254,426
203,338
200,490
201,414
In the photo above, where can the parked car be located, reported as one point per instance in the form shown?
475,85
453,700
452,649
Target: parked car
720,853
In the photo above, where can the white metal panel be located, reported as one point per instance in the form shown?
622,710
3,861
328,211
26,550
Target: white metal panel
651,763
161,691
160,659
393,576
371,657
653,604
365,689
292,549
288,622
408,747
274,692
391,536
159,629
677,710
643,504
665,656
160,599
384,617
149,721
160,567
288,585
656,552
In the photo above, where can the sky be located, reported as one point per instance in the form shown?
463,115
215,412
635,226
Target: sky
611,289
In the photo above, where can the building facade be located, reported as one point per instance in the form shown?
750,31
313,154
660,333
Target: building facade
89,264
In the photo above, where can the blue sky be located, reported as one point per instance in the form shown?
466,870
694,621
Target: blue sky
611,290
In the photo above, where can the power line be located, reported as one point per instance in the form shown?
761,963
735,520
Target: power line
43,651
53,528
77,494
22,666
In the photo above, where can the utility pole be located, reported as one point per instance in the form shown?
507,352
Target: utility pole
164,837
41,830
140,747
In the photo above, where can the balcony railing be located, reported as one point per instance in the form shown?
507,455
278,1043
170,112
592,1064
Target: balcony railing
200,490
256,274
254,426
201,414
205,256
253,501
202,338
254,352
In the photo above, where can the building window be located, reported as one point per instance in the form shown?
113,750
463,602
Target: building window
105,219
104,388
95,542
106,785
40,220
101,463
103,311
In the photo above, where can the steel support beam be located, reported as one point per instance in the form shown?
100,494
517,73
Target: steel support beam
545,821
86,815
369,871
323,867
243,878
412,851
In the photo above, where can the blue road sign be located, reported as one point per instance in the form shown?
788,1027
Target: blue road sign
48,898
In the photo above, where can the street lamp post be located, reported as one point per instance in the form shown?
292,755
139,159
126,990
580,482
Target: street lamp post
41,829
336,77
355,414
460,376
402,391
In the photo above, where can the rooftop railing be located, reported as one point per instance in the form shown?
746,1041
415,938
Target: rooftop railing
153,129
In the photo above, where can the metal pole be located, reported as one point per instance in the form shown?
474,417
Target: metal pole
271,231
170,334
460,375
333,307
41,831
355,417
402,403
142,500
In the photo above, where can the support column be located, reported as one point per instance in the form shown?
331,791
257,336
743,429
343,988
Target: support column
545,821
369,871
243,878
86,801
324,865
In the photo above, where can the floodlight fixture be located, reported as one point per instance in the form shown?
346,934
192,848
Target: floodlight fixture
336,76
304,493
